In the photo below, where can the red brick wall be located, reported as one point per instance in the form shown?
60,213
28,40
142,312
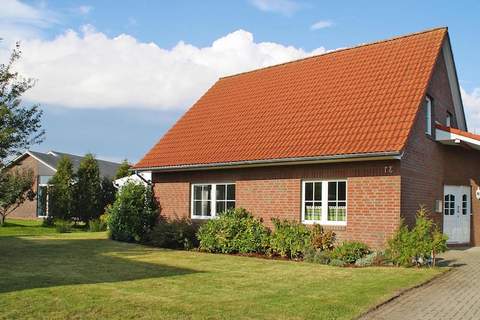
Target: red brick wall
28,210
427,165
373,194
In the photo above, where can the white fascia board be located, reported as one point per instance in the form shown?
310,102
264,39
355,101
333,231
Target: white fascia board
445,136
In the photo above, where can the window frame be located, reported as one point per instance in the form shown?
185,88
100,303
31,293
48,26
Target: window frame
428,115
213,199
324,216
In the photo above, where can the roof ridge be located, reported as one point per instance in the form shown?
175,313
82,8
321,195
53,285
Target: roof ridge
340,50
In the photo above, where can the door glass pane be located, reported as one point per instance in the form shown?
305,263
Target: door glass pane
464,204
449,204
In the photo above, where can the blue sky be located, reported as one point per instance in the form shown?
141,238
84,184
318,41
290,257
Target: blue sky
113,76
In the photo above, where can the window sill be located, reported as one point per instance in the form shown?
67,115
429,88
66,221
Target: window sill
326,223
202,217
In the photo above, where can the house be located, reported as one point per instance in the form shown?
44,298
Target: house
144,178
355,139
44,166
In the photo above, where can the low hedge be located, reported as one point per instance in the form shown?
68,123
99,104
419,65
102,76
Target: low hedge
234,231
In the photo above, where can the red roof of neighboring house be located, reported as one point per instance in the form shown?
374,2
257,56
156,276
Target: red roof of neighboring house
458,131
351,101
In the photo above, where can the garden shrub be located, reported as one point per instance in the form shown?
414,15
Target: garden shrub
290,238
133,214
48,222
234,231
337,263
63,226
350,251
321,239
96,225
174,234
417,246
317,256
369,260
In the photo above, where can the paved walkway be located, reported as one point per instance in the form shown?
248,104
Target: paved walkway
455,295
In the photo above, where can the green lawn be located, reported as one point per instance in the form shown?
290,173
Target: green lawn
84,275
18,227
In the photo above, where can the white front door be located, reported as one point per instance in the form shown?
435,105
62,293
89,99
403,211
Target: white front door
456,213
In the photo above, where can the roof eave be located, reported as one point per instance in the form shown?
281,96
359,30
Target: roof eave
374,156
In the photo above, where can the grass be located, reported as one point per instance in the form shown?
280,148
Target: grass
84,275
20,227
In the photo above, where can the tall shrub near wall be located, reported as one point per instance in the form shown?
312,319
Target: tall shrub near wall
88,190
60,191
133,214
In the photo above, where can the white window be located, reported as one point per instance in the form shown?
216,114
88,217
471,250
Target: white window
211,199
428,116
324,202
448,121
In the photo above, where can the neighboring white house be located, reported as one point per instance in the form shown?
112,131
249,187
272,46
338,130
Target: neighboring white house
140,178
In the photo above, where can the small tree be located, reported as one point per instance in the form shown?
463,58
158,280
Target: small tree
418,245
20,126
60,190
15,189
88,190
133,214
108,192
123,170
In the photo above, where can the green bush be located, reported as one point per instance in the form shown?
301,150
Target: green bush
417,246
63,226
290,238
48,222
133,214
350,251
234,231
337,263
96,225
321,239
317,256
174,234
373,258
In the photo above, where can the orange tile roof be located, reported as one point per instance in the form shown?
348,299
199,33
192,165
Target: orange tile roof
459,132
358,100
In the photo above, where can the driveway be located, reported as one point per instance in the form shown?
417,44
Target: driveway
455,295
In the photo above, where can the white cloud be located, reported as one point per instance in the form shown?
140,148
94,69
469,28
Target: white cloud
286,7
322,24
88,69
471,102
84,9
21,21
